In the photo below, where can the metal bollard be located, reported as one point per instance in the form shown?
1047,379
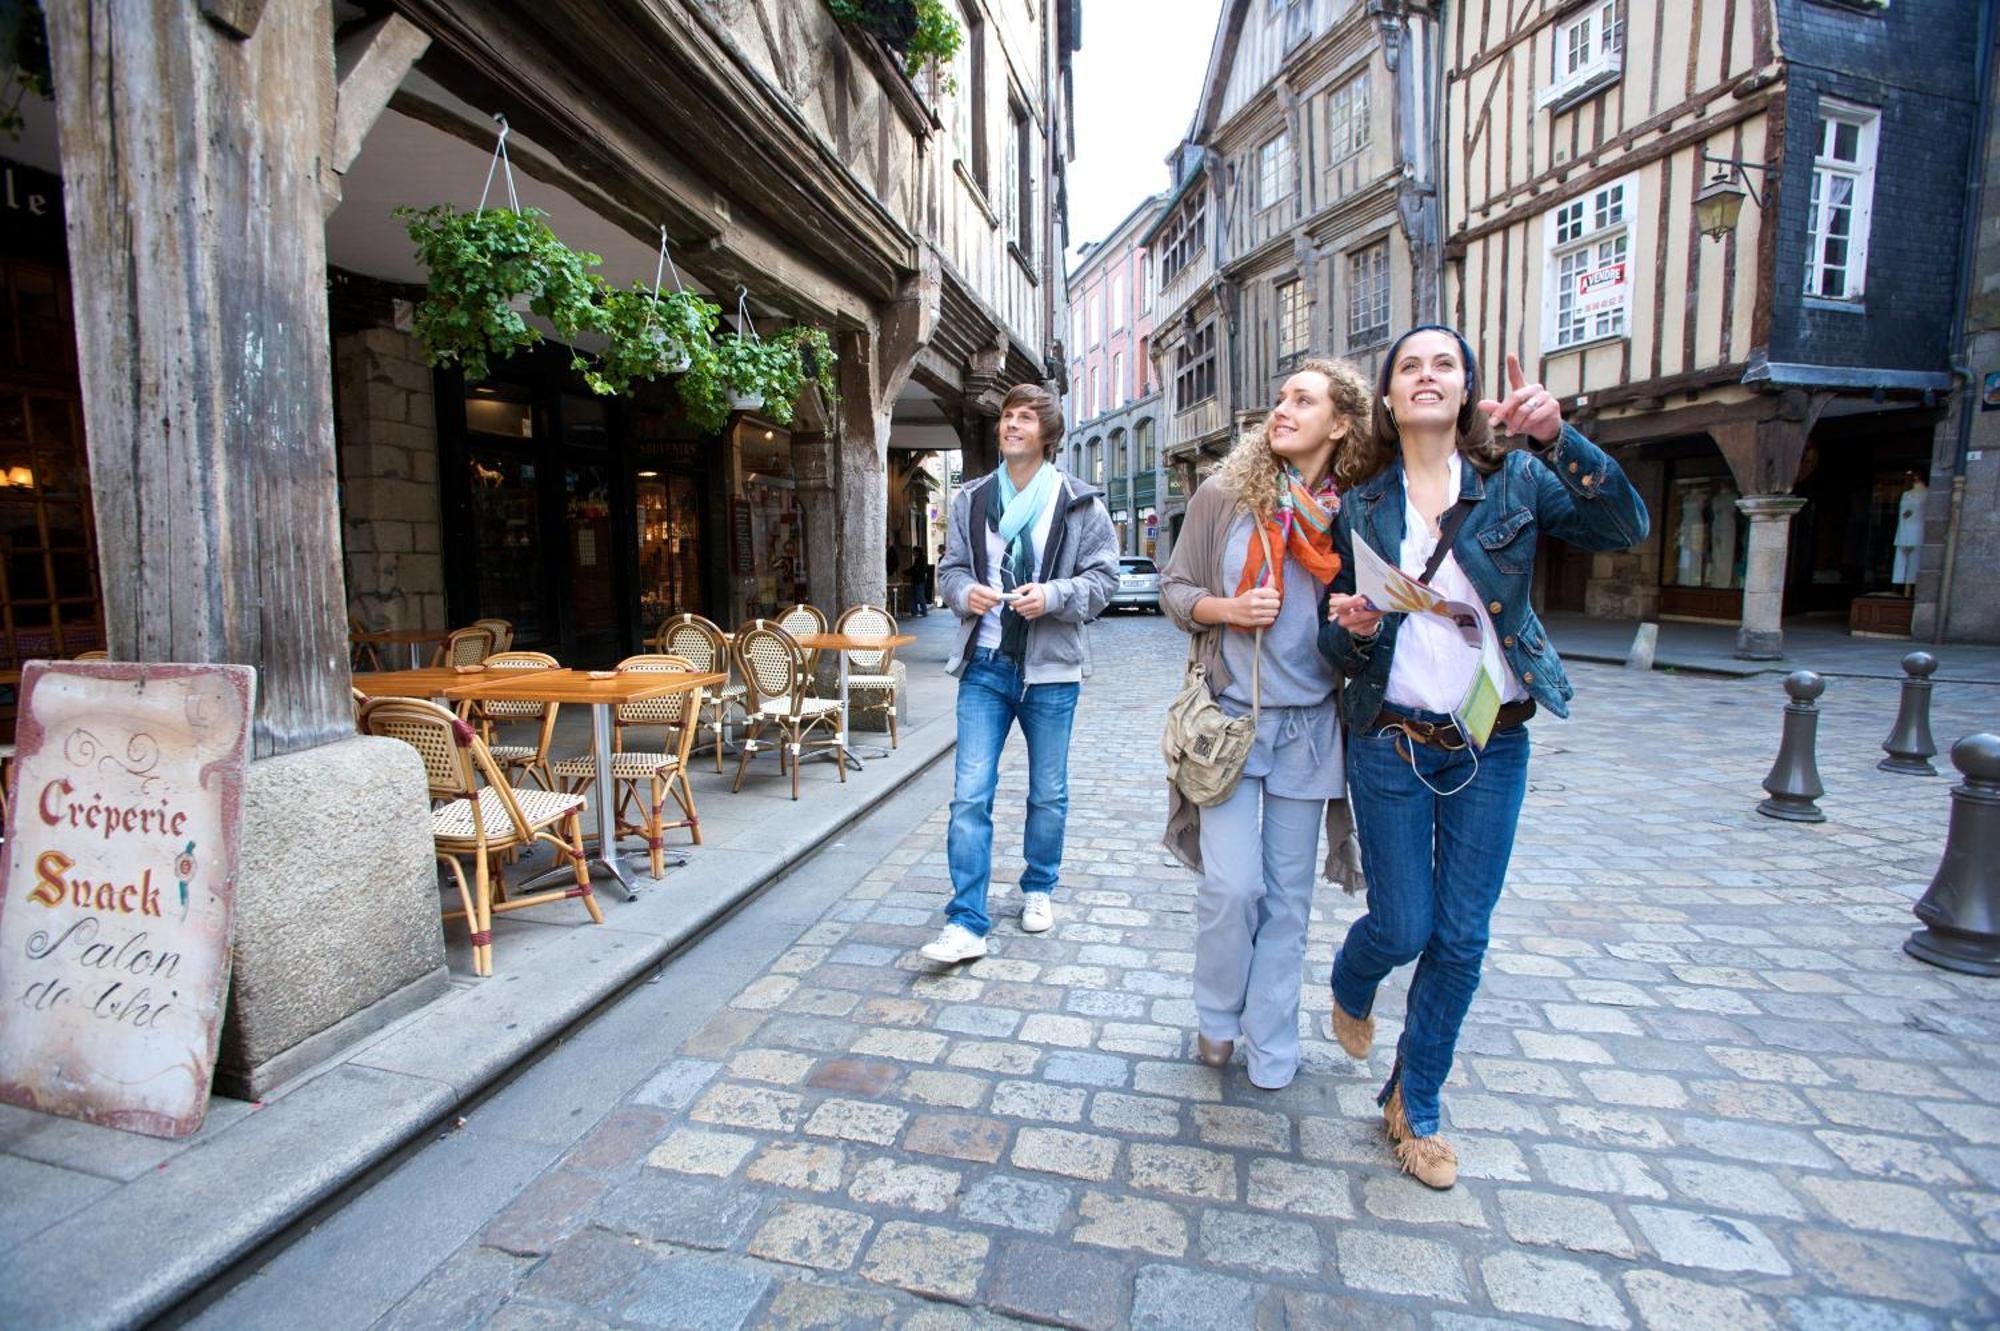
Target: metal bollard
1794,780
1961,911
1910,746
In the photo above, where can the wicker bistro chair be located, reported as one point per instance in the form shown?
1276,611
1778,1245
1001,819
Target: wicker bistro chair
701,644
647,776
798,621
503,633
774,668
529,760
872,673
466,646
482,821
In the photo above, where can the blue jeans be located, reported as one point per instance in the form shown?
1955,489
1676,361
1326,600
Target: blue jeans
991,697
1435,866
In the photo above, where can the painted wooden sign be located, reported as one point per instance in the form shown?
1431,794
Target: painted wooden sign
117,889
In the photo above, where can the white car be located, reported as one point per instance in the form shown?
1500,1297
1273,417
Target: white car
1138,584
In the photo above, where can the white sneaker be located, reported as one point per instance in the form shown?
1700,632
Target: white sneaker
1038,912
954,944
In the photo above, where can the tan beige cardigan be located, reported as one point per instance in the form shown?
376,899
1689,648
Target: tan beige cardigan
1193,571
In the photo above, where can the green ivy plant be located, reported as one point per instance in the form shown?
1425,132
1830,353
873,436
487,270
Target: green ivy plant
651,338
24,62
816,358
924,31
479,262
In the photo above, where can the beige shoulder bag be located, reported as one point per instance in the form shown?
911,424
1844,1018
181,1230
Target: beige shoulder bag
1204,746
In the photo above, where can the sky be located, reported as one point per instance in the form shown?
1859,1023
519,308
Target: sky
1137,77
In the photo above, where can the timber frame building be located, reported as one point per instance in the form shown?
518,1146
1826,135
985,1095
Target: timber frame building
1773,386
212,306
1302,218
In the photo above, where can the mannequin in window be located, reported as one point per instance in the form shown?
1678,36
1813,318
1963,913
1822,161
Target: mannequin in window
1909,532
1722,539
1694,536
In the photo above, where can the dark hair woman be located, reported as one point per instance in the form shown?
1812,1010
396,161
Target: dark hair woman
1436,813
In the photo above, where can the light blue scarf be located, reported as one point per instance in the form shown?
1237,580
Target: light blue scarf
1020,508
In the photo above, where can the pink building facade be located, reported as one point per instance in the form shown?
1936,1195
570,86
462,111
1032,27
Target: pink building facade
1114,404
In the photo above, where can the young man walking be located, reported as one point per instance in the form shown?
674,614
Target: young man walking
1030,559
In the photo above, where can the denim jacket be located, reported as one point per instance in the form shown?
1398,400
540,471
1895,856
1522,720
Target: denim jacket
1571,490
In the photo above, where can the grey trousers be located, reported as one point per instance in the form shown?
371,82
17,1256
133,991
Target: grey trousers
1260,854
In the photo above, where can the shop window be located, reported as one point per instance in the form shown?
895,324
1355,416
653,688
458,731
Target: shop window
1705,538
1294,323
1587,54
1347,119
1194,368
1274,170
1368,295
1587,269
1843,200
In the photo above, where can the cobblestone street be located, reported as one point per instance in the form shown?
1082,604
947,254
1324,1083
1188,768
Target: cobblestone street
1702,1086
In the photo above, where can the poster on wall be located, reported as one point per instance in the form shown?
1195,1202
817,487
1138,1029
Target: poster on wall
117,889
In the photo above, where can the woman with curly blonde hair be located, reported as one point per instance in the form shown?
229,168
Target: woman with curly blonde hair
1254,615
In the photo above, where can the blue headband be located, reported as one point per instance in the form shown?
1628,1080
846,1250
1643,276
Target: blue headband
1470,404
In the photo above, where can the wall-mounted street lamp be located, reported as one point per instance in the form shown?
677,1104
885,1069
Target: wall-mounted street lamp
1720,201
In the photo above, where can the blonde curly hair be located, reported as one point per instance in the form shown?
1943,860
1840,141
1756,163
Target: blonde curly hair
1251,471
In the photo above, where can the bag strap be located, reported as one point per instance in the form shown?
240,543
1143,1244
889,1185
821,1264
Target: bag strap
1257,659
1448,526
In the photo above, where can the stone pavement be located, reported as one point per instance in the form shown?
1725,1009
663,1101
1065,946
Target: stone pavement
1702,1087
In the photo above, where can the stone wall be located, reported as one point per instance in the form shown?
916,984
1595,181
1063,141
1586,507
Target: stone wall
389,483
1625,584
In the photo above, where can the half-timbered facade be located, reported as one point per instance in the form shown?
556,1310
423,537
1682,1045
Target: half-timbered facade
1303,219
1771,384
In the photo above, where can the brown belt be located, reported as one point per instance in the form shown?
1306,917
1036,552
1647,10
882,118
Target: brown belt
1446,734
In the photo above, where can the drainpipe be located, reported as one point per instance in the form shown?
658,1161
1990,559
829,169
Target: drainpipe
1961,300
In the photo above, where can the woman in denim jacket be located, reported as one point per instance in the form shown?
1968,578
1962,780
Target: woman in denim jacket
1436,817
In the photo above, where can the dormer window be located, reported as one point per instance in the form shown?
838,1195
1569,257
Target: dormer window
1587,55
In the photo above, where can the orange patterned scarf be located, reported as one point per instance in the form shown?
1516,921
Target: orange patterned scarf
1302,526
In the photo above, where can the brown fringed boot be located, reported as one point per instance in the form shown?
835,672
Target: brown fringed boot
1429,1160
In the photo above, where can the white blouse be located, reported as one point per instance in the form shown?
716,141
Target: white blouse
1433,667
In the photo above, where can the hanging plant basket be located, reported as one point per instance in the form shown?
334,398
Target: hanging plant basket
650,337
482,265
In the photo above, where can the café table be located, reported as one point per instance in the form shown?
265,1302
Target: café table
414,639
603,695
841,644
425,682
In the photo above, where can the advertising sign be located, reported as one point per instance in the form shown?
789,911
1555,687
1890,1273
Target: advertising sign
1601,290
117,889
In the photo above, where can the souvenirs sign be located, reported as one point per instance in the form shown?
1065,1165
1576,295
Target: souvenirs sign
117,889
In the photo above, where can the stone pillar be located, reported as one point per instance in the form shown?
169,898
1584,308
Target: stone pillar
1761,636
191,141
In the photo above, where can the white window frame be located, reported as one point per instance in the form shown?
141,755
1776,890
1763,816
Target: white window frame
1146,284
1587,51
1274,170
1076,328
1347,127
1118,300
1589,234
1096,315
1118,397
1369,294
1291,321
1096,393
1860,202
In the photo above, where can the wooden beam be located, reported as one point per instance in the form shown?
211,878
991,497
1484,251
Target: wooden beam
198,258
376,59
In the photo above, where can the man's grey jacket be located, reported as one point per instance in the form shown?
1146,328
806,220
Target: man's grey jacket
1078,573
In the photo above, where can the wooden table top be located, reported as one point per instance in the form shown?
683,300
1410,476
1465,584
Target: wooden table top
578,686
854,642
428,682
403,637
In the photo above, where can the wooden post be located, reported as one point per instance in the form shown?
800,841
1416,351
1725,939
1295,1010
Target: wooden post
191,162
